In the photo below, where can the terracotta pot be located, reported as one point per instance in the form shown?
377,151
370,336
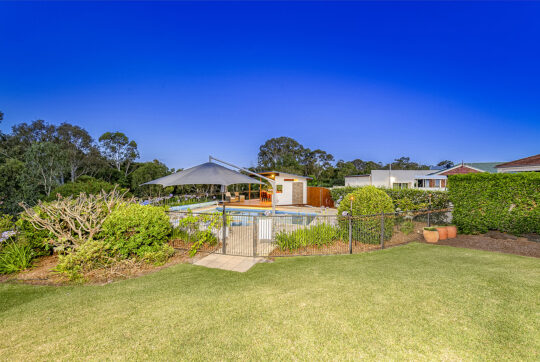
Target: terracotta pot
431,236
443,233
452,231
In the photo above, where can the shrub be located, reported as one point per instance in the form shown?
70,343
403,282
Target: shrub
199,229
15,257
132,227
91,255
84,184
367,200
156,255
73,221
37,239
6,223
318,235
505,202
407,227
404,199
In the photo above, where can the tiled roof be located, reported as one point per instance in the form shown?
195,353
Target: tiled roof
484,166
527,161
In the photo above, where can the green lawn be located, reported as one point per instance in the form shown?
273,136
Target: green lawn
411,302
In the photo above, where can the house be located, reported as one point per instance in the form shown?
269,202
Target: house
527,164
420,179
400,179
291,189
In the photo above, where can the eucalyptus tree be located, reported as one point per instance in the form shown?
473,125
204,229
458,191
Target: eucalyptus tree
119,150
78,145
46,162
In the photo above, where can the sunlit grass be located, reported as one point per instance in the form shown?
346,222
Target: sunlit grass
410,302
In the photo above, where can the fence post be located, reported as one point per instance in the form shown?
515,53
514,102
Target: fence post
224,234
429,212
382,230
350,234
255,234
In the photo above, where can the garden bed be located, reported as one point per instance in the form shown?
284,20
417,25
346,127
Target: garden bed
42,271
183,245
498,242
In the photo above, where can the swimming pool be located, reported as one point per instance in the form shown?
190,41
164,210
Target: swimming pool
243,217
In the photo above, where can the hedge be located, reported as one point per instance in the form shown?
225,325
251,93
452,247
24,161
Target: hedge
368,200
404,199
504,202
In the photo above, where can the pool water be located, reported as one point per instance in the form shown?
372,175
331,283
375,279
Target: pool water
298,218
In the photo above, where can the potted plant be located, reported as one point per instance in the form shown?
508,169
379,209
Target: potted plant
431,235
443,232
452,231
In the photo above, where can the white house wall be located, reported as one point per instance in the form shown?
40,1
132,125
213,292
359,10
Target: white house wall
357,181
285,197
385,178
518,169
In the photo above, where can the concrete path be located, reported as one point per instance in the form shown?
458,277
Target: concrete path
228,262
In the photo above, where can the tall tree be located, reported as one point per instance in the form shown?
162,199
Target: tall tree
316,162
119,150
23,135
365,167
282,153
77,145
46,162
148,171
446,164
14,186
405,163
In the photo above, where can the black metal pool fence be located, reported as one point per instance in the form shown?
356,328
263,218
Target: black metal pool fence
257,234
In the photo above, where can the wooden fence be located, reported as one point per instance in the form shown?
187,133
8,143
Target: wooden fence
319,196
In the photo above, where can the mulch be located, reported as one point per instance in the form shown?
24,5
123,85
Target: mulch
498,242
42,274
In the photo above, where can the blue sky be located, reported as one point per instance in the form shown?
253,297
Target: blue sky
375,81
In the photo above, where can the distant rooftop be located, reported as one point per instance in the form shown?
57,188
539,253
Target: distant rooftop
484,166
527,161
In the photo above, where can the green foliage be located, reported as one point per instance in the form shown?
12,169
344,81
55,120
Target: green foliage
148,171
407,227
504,202
15,186
132,227
15,257
46,162
199,229
37,239
84,184
157,254
403,199
6,223
119,150
91,255
317,235
367,200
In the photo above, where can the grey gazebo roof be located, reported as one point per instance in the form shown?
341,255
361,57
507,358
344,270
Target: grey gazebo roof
208,173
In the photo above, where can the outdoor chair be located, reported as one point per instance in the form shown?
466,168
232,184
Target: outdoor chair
229,198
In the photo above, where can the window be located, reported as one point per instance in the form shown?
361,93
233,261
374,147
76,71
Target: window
400,185
279,188
437,183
